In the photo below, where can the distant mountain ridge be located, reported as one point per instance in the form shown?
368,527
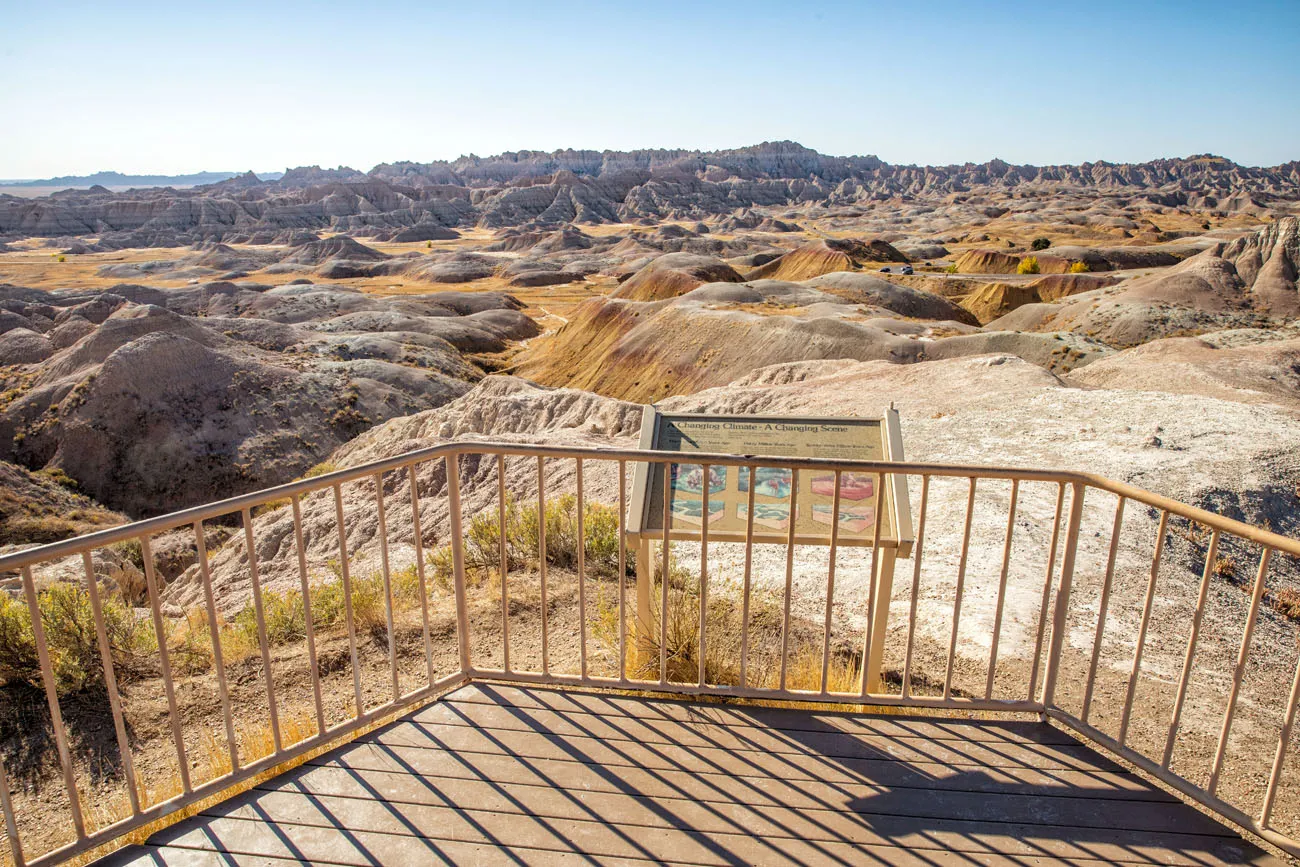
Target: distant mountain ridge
582,186
117,179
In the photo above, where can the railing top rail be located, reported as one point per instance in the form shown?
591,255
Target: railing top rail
161,523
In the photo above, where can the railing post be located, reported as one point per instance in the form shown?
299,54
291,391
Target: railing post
458,561
1063,595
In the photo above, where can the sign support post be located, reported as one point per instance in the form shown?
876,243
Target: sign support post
884,591
645,618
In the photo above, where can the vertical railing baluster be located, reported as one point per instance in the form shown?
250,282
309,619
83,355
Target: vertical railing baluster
309,626
1239,671
345,572
663,585
745,581
214,634
110,682
52,700
830,583
789,574
959,591
704,573
1283,741
1062,609
541,560
622,570
1175,718
11,822
916,588
164,659
1103,606
262,641
388,584
505,563
1041,633
582,574
1142,629
458,564
1002,590
417,538
868,637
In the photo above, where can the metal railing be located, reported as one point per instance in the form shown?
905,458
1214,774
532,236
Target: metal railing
640,645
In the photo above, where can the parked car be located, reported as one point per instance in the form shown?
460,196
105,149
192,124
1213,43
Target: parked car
907,269
884,270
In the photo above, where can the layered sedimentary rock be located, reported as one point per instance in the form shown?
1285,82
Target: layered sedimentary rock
515,189
155,399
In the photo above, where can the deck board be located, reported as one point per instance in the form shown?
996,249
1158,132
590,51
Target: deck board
495,775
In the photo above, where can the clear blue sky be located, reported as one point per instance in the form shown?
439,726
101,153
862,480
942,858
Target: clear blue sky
180,86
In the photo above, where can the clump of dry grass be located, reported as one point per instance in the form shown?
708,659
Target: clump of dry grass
255,740
725,627
1286,602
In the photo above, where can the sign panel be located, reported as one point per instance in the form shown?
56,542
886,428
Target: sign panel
726,507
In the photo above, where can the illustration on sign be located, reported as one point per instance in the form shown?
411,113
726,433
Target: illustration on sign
722,500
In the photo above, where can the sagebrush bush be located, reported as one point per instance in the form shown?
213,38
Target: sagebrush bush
17,648
1040,244
285,616
68,620
482,542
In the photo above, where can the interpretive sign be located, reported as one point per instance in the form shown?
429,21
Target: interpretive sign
723,499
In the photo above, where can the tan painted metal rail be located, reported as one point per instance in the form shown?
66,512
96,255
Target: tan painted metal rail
395,481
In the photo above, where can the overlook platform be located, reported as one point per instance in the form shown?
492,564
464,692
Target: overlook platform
494,774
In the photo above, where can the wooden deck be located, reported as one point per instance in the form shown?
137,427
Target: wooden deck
496,774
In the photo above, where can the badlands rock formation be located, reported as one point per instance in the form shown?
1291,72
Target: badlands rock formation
1249,283
45,507
515,189
155,399
666,331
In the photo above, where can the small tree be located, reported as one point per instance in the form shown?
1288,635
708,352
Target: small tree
1028,265
1040,244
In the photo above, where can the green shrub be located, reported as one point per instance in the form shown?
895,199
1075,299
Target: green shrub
369,605
131,551
482,542
320,469
17,649
951,269
326,604
70,637
59,477
1028,265
283,614
1040,244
